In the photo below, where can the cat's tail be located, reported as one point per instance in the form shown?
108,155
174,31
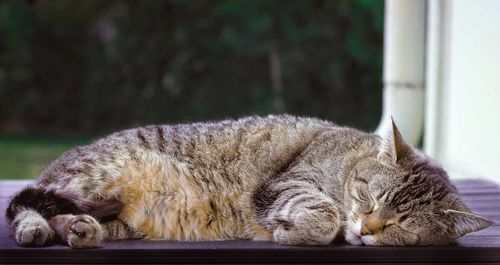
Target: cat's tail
49,203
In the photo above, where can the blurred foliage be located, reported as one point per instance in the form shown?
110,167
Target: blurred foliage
88,67
23,157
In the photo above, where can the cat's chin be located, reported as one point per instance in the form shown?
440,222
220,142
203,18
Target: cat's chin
352,233
352,239
355,240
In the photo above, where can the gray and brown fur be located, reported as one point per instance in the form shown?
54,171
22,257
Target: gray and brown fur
283,178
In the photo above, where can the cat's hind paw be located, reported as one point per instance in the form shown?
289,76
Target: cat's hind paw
32,230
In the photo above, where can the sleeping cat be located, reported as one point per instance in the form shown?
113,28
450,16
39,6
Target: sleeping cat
283,178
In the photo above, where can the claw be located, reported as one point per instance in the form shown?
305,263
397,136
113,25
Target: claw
36,234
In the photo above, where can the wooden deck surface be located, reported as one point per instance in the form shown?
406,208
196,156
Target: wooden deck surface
482,247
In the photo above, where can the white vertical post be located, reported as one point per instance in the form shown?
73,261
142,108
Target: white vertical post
435,70
404,59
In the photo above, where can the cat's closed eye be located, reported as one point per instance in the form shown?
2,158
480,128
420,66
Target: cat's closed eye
391,222
361,195
369,210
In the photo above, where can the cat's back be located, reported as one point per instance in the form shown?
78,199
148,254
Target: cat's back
245,148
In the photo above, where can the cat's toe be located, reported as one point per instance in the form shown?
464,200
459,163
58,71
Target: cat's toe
290,236
85,232
33,233
283,235
286,236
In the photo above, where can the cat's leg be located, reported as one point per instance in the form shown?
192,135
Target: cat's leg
29,210
78,231
83,231
302,215
119,230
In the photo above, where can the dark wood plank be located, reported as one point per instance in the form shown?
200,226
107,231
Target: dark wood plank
482,198
481,191
251,252
473,181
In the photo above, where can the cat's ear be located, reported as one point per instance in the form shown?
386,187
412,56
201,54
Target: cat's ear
393,146
464,222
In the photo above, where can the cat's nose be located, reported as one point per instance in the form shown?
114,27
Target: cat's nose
364,230
371,226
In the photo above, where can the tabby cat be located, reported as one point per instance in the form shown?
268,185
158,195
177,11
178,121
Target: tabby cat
283,178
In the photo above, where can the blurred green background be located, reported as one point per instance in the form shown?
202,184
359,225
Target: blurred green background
71,71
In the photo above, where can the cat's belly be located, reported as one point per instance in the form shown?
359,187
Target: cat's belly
179,217
169,201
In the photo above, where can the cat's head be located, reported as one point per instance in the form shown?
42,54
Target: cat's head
402,197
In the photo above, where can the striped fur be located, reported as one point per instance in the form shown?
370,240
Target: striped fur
283,178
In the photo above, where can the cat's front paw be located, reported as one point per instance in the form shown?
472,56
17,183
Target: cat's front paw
286,236
84,232
305,231
32,230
